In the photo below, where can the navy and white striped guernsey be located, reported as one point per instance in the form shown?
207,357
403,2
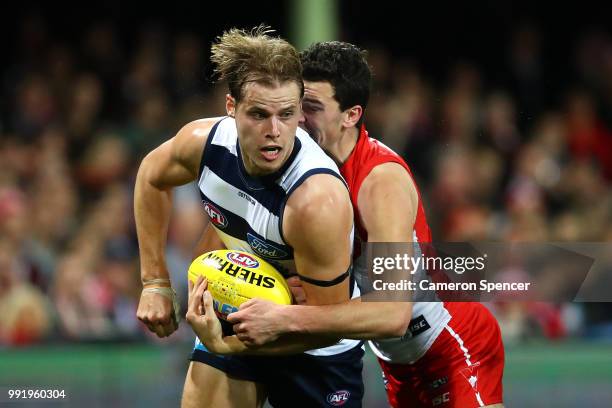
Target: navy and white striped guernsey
247,212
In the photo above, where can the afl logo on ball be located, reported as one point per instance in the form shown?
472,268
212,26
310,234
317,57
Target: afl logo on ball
338,398
243,260
216,216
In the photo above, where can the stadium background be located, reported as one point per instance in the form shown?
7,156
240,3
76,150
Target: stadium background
502,108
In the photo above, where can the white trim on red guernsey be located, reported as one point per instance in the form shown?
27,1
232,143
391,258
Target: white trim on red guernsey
467,355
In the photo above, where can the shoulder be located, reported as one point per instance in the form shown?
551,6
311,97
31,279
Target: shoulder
188,143
195,132
318,192
371,157
389,171
386,178
321,202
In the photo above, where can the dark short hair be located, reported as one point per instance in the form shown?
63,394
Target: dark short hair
241,57
344,66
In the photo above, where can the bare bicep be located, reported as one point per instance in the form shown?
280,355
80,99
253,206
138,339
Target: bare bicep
388,203
317,224
177,161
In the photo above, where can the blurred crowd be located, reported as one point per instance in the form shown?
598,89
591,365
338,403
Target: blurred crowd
495,160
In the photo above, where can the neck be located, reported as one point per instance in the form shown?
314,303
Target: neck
342,149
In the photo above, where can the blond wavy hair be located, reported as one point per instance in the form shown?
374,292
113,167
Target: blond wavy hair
241,57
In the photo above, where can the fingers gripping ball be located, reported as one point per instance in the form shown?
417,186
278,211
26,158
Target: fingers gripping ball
235,277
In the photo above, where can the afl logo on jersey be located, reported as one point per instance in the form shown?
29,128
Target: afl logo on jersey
338,398
216,216
243,260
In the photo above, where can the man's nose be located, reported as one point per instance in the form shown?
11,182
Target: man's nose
274,127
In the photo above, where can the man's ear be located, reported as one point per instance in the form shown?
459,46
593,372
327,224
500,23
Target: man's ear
352,116
230,105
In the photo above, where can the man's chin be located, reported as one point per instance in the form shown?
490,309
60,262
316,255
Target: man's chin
267,167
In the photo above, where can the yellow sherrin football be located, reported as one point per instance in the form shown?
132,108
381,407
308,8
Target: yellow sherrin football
235,277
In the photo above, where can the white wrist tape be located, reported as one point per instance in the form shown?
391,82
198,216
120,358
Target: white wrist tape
155,281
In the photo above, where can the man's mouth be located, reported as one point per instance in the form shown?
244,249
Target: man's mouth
270,153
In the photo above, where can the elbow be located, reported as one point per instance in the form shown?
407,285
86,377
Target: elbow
398,325
144,172
396,329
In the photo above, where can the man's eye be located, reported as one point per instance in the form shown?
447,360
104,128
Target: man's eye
310,108
257,115
287,114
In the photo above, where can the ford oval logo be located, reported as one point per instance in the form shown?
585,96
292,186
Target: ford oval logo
244,260
265,249
216,216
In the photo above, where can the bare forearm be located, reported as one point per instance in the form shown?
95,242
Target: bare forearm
354,319
310,327
152,208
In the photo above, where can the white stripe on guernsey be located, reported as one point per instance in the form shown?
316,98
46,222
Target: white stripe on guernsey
461,345
466,353
256,215
225,135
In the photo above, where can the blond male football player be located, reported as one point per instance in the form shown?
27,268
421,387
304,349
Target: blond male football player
264,180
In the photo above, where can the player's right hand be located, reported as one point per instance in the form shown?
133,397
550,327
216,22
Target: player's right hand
156,311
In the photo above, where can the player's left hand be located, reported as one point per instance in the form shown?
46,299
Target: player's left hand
258,322
204,322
